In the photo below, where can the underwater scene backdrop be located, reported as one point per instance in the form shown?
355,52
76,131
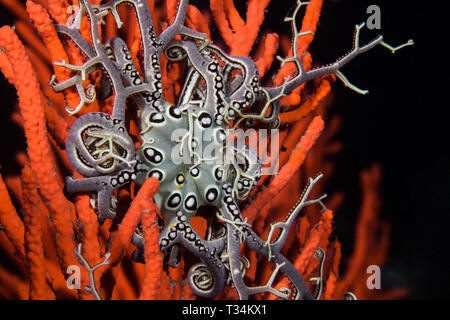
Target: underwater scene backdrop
384,169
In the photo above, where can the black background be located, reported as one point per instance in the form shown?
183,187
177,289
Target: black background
401,125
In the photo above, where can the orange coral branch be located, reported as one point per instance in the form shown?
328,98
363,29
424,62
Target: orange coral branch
217,9
239,36
254,19
372,238
234,18
153,256
321,230
26,32
39,289
89,226
10,221
46,29
6,68
57,126
313,101
122,238
42,71
58,10
271,44
333,275
196,20
131,220
32,108
287,171
369,210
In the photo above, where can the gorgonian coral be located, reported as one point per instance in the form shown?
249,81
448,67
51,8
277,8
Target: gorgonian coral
148,124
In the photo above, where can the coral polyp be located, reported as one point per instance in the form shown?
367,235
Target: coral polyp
171,147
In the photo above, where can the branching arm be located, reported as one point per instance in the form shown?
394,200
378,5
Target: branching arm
92,288
304,76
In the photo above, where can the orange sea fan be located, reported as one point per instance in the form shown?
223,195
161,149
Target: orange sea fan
45,232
